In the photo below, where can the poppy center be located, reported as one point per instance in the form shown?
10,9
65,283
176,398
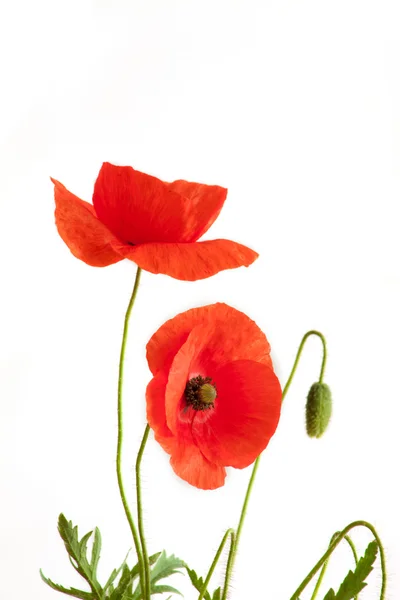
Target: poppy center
200,393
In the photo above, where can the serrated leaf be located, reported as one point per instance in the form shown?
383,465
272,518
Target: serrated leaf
126,581
156,589
354,582
161,589
77,552
109,587
96,549
217,594
164,567
83,544
152,559
69,591
124,586
197,582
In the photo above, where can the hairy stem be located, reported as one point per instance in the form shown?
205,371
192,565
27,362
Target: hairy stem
332,547
146,564
322,573
120,431
231,533
234,546
298,356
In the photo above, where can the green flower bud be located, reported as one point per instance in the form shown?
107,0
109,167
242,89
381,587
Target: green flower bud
318,409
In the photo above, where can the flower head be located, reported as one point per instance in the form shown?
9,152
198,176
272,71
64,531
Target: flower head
153,223
214,400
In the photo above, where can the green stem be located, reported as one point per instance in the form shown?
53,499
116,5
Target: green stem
216,559
332,547
322,573
353,549
298,355
234,547
120,431
146,564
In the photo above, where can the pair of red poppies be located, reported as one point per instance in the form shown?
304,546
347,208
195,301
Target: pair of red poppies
214,400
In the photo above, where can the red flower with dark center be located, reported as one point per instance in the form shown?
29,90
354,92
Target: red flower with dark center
214,400
153,223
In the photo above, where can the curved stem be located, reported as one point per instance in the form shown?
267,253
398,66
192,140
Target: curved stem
353,549
215,561
120,431
229,569
146,564
298,355
332,547
322,573
233,551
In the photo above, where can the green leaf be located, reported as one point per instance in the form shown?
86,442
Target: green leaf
124,585
152,559
164,567
77,552
353,583
69,591
198,583
123,591
83,544
217,594
161,589
109,588
96,549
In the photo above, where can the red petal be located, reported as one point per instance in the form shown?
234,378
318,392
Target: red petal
155,400
245,416
189,262
235,336
184,366
187,460
140,208
190,464
86,237
205,201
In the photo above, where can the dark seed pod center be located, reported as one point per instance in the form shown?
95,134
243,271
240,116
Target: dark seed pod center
200,393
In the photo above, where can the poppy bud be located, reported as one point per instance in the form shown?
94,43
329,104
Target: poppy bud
207,393
318,409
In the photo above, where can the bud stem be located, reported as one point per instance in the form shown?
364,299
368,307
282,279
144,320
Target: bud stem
299,351
332,547
322,573
234,545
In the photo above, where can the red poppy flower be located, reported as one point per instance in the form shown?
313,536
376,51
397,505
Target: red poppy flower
214,400
153,223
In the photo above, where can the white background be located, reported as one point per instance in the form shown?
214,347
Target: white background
295,107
